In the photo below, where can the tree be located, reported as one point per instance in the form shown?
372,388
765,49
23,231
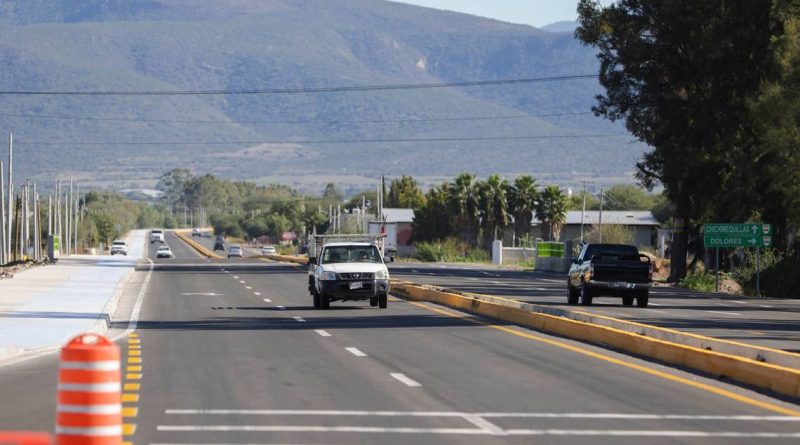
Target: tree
432,220
494,207
463,205
627,197
680,74
575,202
552,210
404,193
332,193
521,202
173,186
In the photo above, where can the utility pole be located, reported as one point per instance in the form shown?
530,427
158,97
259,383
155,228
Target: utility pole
10,195
600,219
583,210
3,240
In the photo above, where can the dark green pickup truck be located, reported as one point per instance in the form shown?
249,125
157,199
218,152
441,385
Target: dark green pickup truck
610,269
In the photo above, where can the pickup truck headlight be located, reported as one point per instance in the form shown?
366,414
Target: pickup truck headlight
382,275
327,276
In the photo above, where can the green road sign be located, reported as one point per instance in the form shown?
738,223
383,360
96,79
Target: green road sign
737,235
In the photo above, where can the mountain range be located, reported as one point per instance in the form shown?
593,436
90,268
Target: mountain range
300,138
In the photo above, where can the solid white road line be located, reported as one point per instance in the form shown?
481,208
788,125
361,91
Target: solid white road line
322,332
405,380
529,415
356,352
299,319
725,313
485,425
465,431
765,306
267,300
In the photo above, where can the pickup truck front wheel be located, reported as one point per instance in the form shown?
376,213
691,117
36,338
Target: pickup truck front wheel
586,295
324,301
643,298
572,295
317,298
383,301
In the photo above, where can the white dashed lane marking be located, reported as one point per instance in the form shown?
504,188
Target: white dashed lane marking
267,300
322,332
257,294
299,319
356,352
406,380
283,308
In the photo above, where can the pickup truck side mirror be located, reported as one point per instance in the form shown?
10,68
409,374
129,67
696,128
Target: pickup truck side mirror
312,260
576,260
390,259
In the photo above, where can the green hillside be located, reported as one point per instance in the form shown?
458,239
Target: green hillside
95,45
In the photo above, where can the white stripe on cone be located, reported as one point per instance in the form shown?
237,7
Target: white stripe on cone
104,365
90,387
114,408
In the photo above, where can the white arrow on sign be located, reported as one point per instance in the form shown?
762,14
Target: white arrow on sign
752,241
755,228
206,294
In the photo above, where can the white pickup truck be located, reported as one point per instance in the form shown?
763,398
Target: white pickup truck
347,268
156,236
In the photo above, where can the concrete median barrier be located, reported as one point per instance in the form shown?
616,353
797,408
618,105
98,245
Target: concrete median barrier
201,249
779,379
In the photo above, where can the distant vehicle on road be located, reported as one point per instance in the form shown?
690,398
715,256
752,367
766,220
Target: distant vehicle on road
347,268
235,251
156,236
219,243
268,250
196,232
119,246
610,269
164,252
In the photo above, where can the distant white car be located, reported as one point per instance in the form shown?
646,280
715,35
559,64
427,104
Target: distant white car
235,251
196,232
164,252
119,246
268,250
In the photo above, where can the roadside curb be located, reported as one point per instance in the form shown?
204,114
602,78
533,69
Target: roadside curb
779,379
202,250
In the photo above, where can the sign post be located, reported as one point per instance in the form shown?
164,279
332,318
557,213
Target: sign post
750,235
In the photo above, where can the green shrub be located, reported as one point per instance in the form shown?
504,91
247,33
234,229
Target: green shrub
451,251
702,282
779,277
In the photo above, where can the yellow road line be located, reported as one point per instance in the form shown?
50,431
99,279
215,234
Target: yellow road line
134,341
135,353
134,360
132,386
133,335
130,411
128,429
134,369
702,386
130,397
132,376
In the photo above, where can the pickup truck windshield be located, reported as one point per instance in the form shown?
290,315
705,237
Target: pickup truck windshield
351,254
610,250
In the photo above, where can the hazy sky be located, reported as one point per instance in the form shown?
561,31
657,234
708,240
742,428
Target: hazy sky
528,12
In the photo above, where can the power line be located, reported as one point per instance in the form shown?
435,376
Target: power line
297,122
338,89
327,141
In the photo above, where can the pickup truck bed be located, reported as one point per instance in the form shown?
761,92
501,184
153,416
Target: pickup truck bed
612,270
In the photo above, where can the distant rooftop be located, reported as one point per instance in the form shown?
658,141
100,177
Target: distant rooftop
623,217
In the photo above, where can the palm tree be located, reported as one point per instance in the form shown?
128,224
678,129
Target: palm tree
494,207
463,205
522,197
552,210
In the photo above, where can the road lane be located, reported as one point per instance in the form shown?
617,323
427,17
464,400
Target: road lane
766,322
221,364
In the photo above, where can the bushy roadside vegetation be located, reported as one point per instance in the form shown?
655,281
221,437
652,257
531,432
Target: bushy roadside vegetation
779,273
450,250
106,216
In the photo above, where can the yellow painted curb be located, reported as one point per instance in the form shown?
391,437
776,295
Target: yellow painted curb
288,258
779,379
202,250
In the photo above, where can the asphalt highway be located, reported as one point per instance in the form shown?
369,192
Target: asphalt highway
232,352
768,322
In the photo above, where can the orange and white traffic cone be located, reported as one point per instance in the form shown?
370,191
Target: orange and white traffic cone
89,410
